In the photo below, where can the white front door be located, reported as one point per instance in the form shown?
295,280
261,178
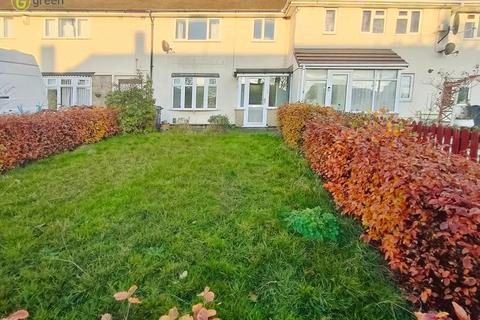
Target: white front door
339,91
256,93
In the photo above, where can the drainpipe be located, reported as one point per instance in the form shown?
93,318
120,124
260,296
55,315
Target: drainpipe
152,38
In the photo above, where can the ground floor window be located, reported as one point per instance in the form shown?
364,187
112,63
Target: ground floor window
194,93
68,91
352,90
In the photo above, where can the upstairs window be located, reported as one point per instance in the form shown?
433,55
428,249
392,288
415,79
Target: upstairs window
6,27
373,21
472,27
66,28
194,93
330,20
408,21
264,29
197,29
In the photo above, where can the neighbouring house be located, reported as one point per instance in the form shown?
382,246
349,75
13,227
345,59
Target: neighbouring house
245,58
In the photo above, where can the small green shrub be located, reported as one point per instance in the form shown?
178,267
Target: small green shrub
219,123
314,224
135,105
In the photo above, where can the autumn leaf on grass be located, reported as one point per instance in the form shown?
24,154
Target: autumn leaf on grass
127,295
18,315
172,315
208,296
107,316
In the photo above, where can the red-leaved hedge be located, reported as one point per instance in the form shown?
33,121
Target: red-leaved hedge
421,206
34,136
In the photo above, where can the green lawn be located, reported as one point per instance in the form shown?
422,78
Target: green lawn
77,227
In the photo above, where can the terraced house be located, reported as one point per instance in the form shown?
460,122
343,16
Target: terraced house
244,58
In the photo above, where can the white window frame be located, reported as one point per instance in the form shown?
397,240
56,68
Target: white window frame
376,79
263,26
373,16
476,26
325,31
74,85
408,17
183,85
187,27
7,28
412,81
56,32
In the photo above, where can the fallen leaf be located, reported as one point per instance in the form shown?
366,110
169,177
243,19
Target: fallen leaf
133,300
18,315
132,290
460,312
183,275
253,297
120,296
107,316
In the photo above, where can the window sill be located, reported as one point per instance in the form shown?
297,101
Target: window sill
263,41
65,38
192,110
207,40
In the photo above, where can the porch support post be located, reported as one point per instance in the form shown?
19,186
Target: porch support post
302,85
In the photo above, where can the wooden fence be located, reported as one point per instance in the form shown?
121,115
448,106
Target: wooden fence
456,141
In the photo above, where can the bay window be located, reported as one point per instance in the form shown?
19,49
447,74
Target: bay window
194,93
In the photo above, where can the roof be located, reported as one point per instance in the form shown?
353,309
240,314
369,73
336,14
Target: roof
247,71
349,57
156,5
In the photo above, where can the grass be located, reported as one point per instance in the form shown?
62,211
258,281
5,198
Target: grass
80,226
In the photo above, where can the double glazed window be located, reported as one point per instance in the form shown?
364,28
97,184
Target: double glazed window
373,21
264,29
408,21
68,91
406,86
315,86
197,29
373,90
472,27
66,28
194,93
368,89
6,27
330,20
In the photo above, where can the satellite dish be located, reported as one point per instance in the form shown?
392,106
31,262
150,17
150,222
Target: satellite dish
456,24
166,47
449,49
